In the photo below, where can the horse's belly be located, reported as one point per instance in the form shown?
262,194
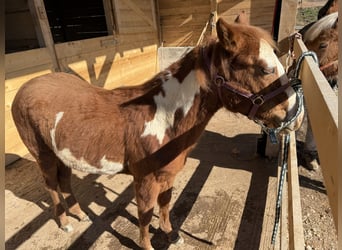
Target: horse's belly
103,166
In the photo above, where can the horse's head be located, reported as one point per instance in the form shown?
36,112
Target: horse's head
322,38
249,77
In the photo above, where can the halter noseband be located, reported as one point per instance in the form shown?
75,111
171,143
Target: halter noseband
257,100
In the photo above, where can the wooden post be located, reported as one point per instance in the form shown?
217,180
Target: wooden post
322,105
109,14
296,231
286,28
2,127
41,22
287,25
340,150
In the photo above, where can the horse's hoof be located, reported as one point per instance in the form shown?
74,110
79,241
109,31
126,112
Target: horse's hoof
67,228
175,238
146,248
86,219
179,241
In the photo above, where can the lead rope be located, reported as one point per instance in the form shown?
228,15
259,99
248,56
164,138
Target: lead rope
283,160
297,86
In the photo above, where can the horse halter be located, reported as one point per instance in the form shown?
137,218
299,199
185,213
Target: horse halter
258,100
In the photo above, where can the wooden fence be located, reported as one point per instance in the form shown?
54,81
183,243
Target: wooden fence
321,103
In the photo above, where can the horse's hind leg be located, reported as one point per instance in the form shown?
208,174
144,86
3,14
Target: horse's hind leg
64,181
48,165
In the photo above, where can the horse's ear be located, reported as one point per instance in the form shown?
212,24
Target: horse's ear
242,18
227,35
336,24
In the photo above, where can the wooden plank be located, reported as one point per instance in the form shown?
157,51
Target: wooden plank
26,59
154,14
141,14
340,158
109,15
286,27
269,213
117,14
296,231
167,4
134,30
284,227
100,45
322,108
15,79
40,19
186,10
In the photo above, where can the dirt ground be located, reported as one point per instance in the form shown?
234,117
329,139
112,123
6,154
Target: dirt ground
223,199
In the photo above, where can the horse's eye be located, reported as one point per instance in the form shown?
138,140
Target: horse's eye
268,70
323,45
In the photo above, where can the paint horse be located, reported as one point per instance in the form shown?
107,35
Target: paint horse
322,38
148,130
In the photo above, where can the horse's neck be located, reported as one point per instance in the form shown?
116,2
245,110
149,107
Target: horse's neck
187,90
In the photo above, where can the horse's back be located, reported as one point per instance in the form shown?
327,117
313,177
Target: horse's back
57,85
60,111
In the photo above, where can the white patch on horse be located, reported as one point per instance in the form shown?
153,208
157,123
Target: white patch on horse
266,52
177,95
65,155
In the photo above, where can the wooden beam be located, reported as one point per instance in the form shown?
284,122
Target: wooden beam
296,231
109,14
42,24
322,105
2,127
340,150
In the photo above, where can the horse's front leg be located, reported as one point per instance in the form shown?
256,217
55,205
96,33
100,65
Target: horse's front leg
146,191
164,199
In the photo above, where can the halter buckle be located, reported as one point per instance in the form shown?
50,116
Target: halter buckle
258,100
219,80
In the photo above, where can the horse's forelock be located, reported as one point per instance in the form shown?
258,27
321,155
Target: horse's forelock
260,34
324,23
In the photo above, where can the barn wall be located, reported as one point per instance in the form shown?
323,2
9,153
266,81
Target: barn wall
127,57
260,13
182,22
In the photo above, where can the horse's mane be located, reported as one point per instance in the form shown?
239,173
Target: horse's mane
324,23
135,94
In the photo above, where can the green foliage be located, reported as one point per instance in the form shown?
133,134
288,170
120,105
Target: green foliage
307,15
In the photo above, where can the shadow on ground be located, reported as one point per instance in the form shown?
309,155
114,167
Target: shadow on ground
213,149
